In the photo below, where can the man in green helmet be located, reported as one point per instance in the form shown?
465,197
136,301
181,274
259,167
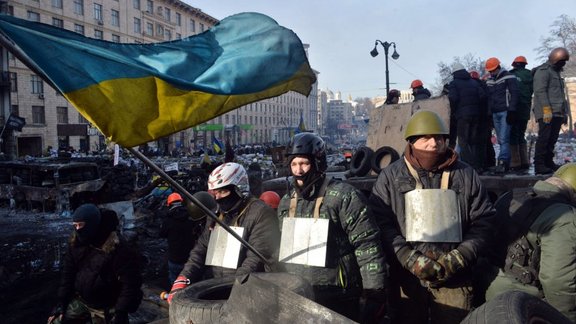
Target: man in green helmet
435,217
540,250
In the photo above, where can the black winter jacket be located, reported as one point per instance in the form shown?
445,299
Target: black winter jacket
421,94
355,258
466,96
105,277
503,92
181,232
477,212
261,230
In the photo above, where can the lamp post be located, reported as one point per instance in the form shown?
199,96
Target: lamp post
395,56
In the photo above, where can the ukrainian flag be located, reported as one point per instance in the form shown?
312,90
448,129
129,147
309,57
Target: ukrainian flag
217,144
136,93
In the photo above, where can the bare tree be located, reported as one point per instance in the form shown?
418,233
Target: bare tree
469,61
562,34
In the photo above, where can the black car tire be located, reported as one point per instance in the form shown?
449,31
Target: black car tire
360,162
379,155
515,307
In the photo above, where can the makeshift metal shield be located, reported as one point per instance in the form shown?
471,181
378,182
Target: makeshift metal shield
432,215
304,241
223,248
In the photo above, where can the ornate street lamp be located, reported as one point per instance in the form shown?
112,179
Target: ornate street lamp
395,56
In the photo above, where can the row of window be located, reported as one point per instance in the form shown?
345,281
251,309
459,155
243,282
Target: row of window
39,115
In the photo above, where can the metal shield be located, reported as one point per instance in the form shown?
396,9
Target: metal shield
223,248
304,241
432,215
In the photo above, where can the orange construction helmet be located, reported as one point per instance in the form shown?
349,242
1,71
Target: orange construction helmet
475,75
492,64
520,59
174,197
271,198
416,83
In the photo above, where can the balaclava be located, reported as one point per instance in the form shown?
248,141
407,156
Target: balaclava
90,214
228,203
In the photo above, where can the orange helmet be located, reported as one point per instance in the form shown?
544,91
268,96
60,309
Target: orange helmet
347,155
416,83
271,198
520,59
492,64
174,197
475,75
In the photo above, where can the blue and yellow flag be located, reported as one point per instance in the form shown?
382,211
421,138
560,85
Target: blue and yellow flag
135,93
217,144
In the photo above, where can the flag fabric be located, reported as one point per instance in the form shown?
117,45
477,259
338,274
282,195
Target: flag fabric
136,93
217,144
15,122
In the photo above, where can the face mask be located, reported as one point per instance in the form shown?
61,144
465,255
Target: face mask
87,234
228,202
558,66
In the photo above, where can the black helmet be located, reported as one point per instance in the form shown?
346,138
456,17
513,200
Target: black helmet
311,146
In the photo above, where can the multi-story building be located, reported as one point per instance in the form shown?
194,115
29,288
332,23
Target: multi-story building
53,122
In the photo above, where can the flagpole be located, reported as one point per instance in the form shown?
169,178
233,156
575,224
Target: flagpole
4,127
189,196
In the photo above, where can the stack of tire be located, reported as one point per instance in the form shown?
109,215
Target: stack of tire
365,160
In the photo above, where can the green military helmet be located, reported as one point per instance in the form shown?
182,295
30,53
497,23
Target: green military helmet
425,122
205,199
567,172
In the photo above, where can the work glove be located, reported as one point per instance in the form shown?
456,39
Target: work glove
57,313
511,118
452,262
120,317
180,283
547,114
373,306
424,267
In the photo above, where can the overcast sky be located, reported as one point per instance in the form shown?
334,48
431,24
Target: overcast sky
341,34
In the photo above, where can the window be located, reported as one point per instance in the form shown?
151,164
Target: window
37,84
98,11
167,14
178,36
79,7
159,30
82,120
201,27
57,22
57,4
13,82
136,4
150,6
178,19
137,26
33,16
15,110
115,18
62,115
79,29
167,34
98,34
116,38
38,116
192,25
150,29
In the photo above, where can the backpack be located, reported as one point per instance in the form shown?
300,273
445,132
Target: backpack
516,210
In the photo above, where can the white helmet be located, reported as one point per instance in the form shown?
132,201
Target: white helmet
229,174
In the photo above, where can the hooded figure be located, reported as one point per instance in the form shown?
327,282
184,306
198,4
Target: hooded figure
100,274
